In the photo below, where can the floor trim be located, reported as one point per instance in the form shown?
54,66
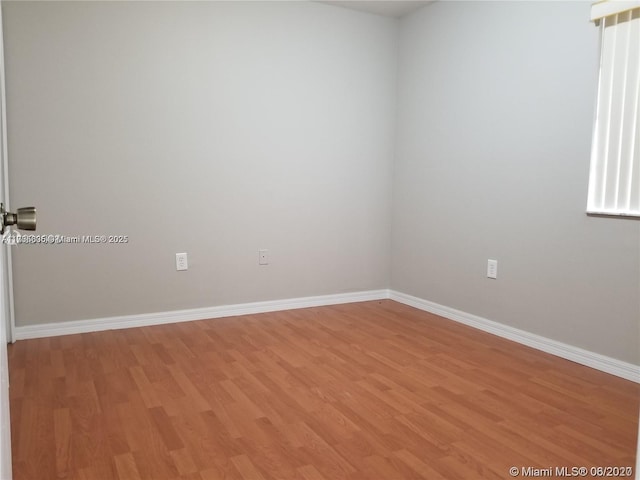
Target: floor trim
176,316
563,350
600,362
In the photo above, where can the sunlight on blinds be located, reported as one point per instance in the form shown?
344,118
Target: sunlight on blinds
614,181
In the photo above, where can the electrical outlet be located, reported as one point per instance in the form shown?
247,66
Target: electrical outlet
492,268
263,257
181,261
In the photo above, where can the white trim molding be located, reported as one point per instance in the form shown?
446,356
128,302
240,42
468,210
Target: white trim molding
177,316
554,347
600,362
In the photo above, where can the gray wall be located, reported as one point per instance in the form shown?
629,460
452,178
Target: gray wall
221,128
211,128
495,115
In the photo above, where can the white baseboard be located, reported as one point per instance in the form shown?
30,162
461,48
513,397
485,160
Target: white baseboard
176,316
600,362
563,350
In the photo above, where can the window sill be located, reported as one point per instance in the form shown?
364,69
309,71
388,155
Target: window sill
626,215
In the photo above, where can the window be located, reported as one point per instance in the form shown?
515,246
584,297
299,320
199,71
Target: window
614,178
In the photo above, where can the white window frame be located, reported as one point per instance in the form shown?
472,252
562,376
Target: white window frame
614,176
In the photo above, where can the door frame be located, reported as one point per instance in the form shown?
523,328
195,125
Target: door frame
7,269
6,293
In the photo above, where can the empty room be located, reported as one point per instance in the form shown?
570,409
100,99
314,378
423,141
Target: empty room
319,240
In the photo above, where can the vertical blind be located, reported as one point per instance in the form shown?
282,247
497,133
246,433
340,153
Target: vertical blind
614,180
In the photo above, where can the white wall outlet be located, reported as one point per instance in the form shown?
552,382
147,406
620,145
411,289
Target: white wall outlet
181,261
492,268
263,257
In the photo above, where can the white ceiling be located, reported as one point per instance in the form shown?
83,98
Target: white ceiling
388,8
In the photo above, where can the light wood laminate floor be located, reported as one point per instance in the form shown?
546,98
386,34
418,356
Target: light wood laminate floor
373,390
